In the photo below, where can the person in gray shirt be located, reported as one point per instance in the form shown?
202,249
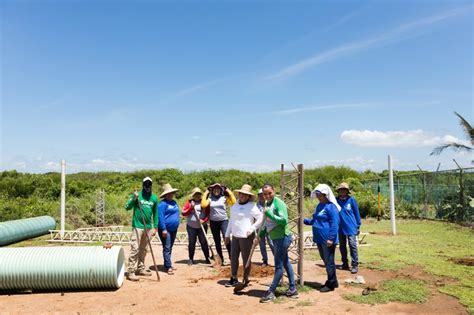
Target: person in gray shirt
218,197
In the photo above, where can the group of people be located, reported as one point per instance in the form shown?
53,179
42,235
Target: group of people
253,220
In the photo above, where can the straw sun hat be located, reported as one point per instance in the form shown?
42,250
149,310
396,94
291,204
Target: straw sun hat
195,190
167,189
246,189
343,185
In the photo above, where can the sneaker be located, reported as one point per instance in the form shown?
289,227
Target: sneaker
146,273
268,297
326,289
292,293
345,267
232,283
132,277
190,262
354,270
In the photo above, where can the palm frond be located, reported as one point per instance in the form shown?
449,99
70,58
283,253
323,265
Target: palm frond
453,145
467,128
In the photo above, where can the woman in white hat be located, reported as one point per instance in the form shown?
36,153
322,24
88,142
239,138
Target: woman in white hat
218,198
168,223
245,218
195,218
325,224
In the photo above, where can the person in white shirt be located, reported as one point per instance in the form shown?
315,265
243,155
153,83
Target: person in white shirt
245,219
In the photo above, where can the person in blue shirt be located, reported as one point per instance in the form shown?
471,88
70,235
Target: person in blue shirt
168,223
349,227
325,224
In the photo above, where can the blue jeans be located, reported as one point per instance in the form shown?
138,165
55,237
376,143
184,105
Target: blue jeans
351,239
280,253
167,246
263,248
327,255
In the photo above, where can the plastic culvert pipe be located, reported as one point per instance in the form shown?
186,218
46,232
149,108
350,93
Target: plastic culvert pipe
18,230
61,268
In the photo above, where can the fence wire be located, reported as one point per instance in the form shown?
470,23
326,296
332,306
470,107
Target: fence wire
447,195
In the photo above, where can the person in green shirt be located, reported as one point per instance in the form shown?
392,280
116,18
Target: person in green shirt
276,226
139,240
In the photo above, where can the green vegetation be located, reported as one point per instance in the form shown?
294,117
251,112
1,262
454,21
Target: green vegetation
28,195
433,246
395,290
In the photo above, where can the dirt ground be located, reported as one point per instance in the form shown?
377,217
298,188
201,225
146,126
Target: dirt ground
199,289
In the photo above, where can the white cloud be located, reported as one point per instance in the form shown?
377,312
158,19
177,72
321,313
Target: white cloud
320,107
401,32
409,138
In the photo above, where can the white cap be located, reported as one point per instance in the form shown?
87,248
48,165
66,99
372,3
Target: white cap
147,179
260,191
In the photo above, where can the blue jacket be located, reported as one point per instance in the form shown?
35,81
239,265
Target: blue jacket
325,223
349,216
168,214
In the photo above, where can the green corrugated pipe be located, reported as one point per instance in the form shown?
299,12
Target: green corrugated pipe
61,268
18,230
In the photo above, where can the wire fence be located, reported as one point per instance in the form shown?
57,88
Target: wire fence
446,195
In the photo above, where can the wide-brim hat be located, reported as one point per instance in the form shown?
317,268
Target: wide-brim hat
167,189
195,190
343,185
246,189
214,185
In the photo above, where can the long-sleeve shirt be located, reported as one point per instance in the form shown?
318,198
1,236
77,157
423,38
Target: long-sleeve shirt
218,205
244,220
188,212
325,223
277,217
149,207
349,216
168,212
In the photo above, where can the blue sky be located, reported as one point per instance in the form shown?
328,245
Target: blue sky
125,85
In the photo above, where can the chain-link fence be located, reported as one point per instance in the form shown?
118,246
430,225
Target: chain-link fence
447,195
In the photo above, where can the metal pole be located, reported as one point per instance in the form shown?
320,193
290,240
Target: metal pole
63,197
300,222
392,196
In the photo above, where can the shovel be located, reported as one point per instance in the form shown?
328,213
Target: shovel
217,258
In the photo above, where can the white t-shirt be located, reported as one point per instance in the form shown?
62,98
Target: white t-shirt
243,218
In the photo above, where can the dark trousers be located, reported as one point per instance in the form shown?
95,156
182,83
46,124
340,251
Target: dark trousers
167,244
241,245
352,240
218,228
193,235
327,255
